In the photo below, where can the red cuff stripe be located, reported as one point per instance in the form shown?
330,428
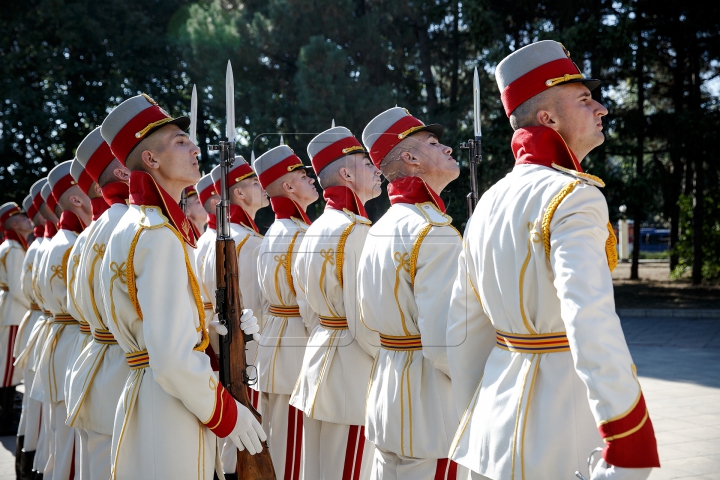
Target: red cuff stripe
631,439
224,416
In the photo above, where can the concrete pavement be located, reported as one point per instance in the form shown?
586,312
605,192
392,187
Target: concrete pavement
678,361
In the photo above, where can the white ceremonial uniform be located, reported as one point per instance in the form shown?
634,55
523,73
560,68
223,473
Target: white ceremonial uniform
13,306
81,341
62,331
30,422
407,268
282,343
205,242
339,356
538,355
99,374
31,357
247,244
153,300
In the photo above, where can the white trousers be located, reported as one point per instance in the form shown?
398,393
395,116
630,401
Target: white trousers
284,426
332,451
31,414
391,466
42,451
63,449
98,451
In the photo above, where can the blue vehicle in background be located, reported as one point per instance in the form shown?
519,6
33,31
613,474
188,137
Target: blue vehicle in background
654,239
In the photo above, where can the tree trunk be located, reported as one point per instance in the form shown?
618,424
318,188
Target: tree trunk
455,54
426,66
699,190
638,200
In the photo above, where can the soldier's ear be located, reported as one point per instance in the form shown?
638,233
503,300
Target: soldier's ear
545,118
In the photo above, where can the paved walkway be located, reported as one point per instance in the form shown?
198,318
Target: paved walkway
678,360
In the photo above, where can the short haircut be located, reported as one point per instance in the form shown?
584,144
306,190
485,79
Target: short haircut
134,159
108,175
328,176
525,115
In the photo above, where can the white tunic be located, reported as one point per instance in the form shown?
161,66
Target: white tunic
27,325
407,268
152,299
283,339
62,329
13,306
204,243
337,362
98,375
535,262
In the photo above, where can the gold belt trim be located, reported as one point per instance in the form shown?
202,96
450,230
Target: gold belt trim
104,336
138,360
4,288
47,313
285,311
85,328
400,343
35,307
208,306
65,319
334,323
536,343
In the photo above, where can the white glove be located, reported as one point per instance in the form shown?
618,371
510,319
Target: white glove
249,324
215,328
605,471
247,432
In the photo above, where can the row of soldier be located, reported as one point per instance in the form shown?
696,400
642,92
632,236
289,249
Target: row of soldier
399,350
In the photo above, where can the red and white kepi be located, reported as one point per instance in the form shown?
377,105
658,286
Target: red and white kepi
275,163
47,197
60,180
391,127
134,120
535,68
7,210
94,154
331,145
205,189
240,171
36,192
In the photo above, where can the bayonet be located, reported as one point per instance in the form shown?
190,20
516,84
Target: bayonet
474,145
193,139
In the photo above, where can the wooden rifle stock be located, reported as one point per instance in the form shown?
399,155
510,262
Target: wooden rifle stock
233,372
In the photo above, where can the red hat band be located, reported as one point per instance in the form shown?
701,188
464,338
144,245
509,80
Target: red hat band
281,168
537,81
9,213
237,174
61,187
133,131
99,161
397,132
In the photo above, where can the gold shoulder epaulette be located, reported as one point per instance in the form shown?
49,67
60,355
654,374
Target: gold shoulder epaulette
301,224
585,177
433,214
356,218
152,217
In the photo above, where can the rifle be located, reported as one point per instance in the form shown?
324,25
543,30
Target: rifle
233,369
474,145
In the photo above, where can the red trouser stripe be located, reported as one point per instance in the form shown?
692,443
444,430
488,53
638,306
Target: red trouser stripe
72,463
446,469
294,444
354,453
9,367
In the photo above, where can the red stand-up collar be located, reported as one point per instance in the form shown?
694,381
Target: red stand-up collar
50,229
144,190
413,190
39,231
13,235
340,197
116,192
542,146
99,206
239,216
212,221
70,221
286,208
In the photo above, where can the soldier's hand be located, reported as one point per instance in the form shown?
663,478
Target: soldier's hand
249,324
605,471
247,434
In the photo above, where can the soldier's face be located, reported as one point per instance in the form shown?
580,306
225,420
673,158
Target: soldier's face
19,223
367,176
436,160
176,155
579,118
300,186
253,193
196,212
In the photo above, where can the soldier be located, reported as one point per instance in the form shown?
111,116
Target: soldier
195,211
533,317
63,327
285,333
50,210
208,197
406,273
172,406
246,198
13,305
98,375
340,352
30,420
